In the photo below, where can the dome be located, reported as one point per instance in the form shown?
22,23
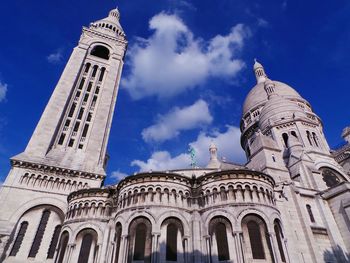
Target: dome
258,95
278,108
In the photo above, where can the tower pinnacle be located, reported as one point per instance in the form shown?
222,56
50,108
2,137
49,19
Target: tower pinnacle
259,72
214,162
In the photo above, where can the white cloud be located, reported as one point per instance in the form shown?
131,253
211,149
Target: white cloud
228,143
3,91
171,124
117,175
162,160
55,57
172,60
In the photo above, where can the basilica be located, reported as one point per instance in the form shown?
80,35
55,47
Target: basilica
290,202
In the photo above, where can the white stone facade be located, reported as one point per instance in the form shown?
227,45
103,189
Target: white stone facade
289,203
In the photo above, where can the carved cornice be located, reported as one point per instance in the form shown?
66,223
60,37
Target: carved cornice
50,169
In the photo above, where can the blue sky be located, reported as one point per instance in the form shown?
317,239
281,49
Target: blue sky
302,43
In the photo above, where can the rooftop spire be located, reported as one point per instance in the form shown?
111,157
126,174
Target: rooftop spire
259,72
214,162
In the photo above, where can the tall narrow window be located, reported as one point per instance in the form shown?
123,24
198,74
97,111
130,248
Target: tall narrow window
85,248
97,90
315,138
171,242
285,139
39,234
81,83
88,119
86,97
279,236
87,67
140,242
89,87
86,128
80,115
61,140
71,143
76,126
93,103
102,74
19,239
72,109
311,215
94,71
308,135
54,240
118,236
62,247
255,240
222,244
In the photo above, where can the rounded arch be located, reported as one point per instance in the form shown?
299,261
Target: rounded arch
255,230
100,51
255,212
173,214
219,213
320,163
331,176
147,215
176,221
219,220
97,228
140,245
47,201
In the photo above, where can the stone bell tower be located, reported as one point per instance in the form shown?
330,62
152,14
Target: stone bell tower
67,150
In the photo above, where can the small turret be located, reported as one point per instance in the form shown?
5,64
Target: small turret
110,25
259,72
214,162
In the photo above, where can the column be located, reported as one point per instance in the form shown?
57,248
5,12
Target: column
238,248
185,239
123,253
272,239
155,244
68,255
207,243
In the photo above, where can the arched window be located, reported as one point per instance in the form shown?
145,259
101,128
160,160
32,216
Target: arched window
309,137
285,139
218,228
62,247
140,240
19,239
94,71
101,52
311,215
103,70
171,242
39,234
330,176
85,248
87,67
294,134
117,239
221,240
256,243
279,236
54,240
